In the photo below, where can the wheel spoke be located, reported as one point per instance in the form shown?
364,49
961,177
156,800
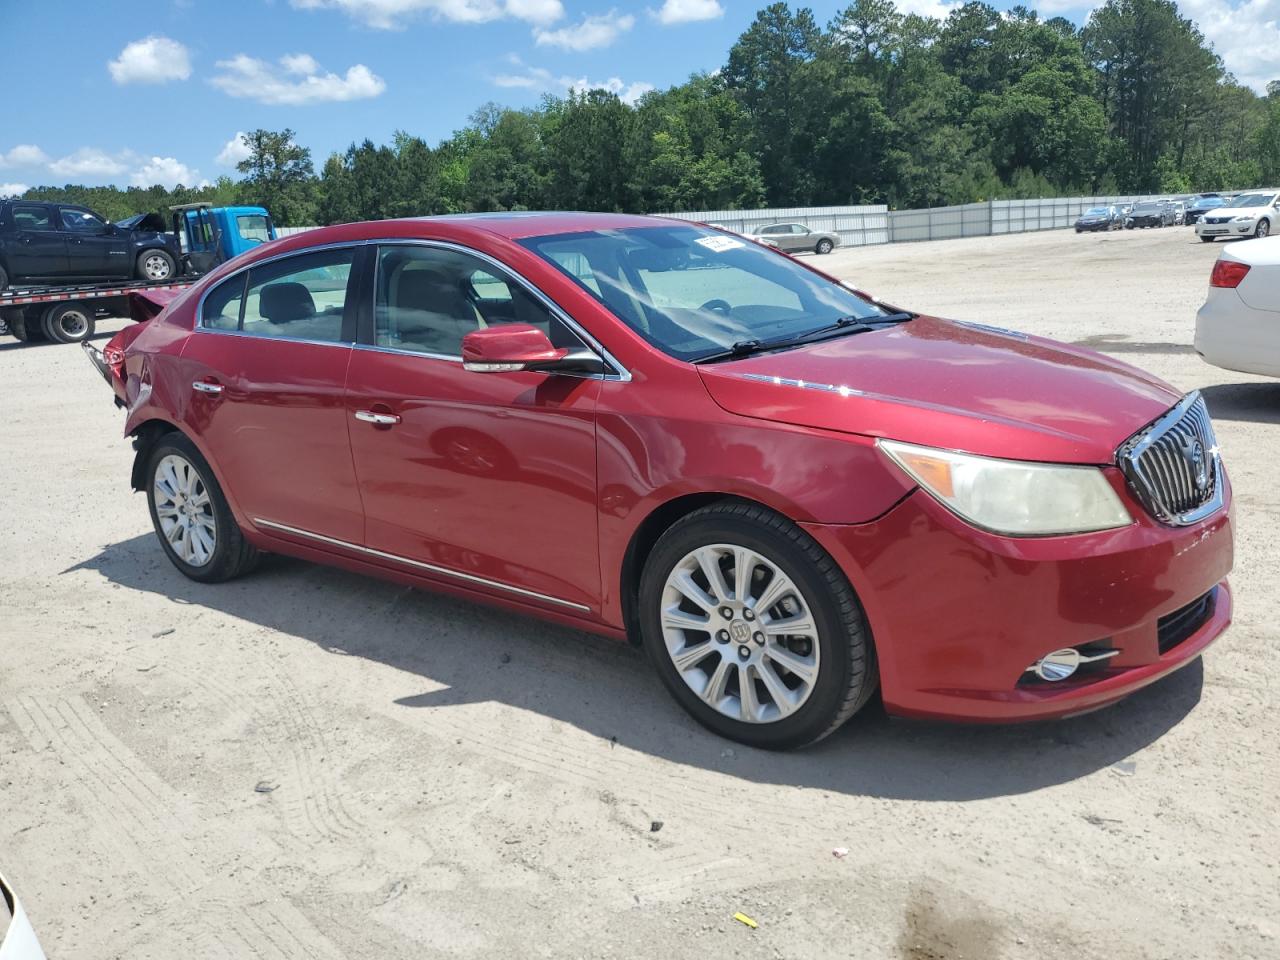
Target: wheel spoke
691,655
203,540
674,618
799,625
800,666
782,697
744,562
684,583
747,700
713,692
709,561
777,588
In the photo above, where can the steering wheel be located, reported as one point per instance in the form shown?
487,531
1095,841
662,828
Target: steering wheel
719,306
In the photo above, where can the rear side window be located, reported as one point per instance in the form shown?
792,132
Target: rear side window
296,298
31,216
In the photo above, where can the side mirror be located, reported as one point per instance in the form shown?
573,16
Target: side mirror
513,347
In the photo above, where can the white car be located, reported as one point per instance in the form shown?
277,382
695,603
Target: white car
1238,328
17,939
1252,214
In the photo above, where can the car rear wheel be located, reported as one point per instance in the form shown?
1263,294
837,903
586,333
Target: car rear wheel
191,516
1263,228
824,246
155,265
754,629
67,323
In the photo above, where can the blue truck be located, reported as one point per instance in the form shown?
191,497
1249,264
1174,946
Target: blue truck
198,237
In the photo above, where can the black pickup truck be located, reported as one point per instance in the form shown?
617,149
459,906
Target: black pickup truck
59,243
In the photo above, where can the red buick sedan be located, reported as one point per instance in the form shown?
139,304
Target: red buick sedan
788,493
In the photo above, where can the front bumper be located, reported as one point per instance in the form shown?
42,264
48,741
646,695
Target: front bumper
1228,229
958,614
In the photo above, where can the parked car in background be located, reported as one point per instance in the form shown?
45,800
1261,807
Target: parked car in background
1149,213
1198,205
787,492
797,238
1252,214
1238,328
1179,209
17,939
1100,218
44,243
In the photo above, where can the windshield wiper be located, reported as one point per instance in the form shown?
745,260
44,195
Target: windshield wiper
838,327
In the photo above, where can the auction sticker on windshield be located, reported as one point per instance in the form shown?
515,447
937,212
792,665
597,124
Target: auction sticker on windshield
720,244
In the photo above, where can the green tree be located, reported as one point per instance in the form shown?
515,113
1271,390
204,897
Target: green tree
279,176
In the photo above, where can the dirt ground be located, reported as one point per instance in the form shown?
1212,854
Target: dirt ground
308,763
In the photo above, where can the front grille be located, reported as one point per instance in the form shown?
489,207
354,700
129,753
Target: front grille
1215,219
1173,628
1172,464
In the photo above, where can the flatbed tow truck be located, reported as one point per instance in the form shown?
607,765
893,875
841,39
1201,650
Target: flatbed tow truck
68,314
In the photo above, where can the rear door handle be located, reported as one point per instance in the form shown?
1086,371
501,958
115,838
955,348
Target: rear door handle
203,386
380,419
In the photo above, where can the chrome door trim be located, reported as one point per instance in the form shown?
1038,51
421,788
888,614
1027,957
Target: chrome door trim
430,567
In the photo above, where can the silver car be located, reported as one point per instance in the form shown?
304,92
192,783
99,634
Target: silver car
796,237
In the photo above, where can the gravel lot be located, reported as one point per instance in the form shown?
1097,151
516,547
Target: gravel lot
307,763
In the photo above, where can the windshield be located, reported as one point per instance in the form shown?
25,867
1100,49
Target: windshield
1146,208
1096,212
1251,200
694,292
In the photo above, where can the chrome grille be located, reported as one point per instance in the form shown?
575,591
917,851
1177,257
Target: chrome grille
1173,465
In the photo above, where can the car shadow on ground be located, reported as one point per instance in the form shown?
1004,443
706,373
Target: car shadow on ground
608,689
1255,402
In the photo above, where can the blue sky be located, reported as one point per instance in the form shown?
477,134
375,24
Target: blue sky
121,91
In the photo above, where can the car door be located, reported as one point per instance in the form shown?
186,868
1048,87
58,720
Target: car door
35,249
799,238
95,248
484,479
266,367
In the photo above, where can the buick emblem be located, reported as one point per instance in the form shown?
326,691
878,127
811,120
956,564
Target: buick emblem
1193,453
740,631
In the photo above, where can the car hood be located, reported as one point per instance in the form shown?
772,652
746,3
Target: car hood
1234,211
946,384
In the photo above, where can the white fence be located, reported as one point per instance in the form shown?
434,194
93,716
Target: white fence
876,223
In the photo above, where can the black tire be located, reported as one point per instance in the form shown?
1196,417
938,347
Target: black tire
1263,228
152,263
824,246
67,323
232,555
1207,239
4,279
847,674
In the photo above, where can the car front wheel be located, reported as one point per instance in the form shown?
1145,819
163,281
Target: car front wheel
1207,239
155,265
824,246
754,628
1263,228
191,516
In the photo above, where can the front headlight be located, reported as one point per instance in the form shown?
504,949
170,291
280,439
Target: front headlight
1013,497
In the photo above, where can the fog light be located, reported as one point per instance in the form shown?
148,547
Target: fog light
1061,664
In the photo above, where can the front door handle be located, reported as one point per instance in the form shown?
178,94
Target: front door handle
203,386
379,419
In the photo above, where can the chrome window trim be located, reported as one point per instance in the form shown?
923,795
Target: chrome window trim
621,373
344,344
199,326
430,567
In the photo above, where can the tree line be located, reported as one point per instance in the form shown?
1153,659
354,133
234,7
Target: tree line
880,106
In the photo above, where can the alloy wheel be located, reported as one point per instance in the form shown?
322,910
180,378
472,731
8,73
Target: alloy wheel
740,633
185,511
156,267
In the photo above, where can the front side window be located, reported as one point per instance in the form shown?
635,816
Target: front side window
31,216
253,227
82,221
296,298
798,230
694,292
428,298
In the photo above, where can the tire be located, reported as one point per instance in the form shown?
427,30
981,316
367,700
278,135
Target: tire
175,465
4,279
837,649
1208,239
824,247
1078,230
67,323
155,265
1263,228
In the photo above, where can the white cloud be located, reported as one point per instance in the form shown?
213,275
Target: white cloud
538,78
940,10
89,162
13,189
165,171
153,60
297,79
688,11
395,14
592,33
233,151
1245,34
23,155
